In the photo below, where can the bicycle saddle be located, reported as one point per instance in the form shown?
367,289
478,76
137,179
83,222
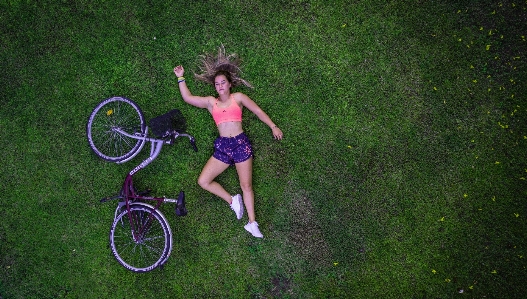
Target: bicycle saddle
165,124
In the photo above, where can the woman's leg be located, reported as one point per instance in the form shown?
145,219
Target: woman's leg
245,174
211,170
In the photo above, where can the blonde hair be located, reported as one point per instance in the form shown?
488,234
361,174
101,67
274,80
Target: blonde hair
212,66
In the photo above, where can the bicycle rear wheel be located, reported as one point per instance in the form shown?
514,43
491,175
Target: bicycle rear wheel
154,238
116,113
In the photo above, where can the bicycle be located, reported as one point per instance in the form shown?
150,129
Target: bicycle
140,236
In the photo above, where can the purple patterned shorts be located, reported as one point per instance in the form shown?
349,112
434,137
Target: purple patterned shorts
232,150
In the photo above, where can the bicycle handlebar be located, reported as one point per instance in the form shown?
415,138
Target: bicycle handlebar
169,141
190,137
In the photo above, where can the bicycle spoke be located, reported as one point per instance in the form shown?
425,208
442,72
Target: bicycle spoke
140,239
114,113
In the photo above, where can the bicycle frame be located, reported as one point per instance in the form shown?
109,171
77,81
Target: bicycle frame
128,190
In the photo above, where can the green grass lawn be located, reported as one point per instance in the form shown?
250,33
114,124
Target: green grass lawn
402,173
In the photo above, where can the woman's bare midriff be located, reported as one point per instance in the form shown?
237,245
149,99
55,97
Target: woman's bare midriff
230,129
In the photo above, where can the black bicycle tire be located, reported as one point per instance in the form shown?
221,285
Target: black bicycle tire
114,139
160,258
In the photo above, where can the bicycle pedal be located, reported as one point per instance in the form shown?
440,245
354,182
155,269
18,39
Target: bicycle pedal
180,208
108,198
145,192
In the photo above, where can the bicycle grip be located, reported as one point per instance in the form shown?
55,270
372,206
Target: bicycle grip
193,142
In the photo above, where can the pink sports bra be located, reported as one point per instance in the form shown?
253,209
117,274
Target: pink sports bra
231,113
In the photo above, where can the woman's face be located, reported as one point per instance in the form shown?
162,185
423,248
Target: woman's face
222,85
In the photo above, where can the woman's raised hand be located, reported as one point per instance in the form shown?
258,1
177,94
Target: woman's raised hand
179,71
277,133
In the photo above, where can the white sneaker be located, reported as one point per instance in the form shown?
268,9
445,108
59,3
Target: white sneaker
252,227
237,206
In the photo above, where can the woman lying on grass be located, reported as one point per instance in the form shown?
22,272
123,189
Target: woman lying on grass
232,147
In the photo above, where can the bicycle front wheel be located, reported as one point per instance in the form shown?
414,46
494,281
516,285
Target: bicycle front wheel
141,240
116,113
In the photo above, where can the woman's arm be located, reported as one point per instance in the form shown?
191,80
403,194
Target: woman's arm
200,102
254,108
